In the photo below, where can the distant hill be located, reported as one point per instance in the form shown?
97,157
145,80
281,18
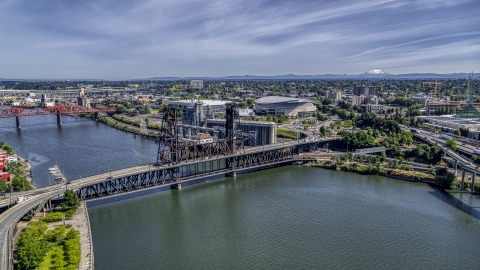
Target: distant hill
373,74
369,75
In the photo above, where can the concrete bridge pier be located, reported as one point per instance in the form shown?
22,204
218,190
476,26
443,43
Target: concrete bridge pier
176,186
18,122
463,180
456,166
59,119
231,174
472,188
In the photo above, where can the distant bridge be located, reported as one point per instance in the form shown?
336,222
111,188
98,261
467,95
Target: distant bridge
58,110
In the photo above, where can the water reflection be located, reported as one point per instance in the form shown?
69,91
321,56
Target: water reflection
448,198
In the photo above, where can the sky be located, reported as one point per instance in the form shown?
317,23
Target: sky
125,39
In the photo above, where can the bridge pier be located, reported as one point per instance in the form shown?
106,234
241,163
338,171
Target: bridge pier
231,174
59,119
463,180
18,122
472,188
176,186
456,166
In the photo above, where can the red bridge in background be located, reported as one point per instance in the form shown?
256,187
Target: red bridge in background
58,110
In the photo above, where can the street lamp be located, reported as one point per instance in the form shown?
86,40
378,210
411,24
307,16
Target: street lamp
10,194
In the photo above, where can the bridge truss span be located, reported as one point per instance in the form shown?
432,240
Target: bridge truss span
169,175
72,109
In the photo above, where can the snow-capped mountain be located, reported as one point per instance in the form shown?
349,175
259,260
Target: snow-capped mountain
375,71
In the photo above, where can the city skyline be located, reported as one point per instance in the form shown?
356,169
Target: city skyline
118,40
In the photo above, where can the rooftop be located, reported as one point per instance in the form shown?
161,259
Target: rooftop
277,99
204,101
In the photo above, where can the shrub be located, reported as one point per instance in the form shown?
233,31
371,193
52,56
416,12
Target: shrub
53,216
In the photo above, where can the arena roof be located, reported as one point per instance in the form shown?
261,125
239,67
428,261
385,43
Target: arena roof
277,99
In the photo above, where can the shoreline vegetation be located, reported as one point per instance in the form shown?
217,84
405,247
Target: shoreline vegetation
19,172
438,176
124,124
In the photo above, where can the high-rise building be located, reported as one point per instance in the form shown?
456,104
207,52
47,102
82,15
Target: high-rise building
364,90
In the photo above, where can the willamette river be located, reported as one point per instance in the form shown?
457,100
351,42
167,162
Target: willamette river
291,217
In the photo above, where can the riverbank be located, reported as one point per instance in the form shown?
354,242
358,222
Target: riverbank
446,179
126,126
18,169
26,167
412,176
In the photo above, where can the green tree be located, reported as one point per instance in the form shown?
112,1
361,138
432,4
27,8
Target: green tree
4,187
20,183
447,180
8,148
452,144
32,246
70,200
243,104
323,130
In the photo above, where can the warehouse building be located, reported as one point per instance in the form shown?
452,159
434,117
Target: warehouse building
197,111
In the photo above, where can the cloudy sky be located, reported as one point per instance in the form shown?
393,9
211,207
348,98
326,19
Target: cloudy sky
125,39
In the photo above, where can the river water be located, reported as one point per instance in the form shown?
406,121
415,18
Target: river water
80,147
290,217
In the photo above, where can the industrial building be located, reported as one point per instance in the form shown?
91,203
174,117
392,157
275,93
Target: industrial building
451,123
276,105
259,133
197,111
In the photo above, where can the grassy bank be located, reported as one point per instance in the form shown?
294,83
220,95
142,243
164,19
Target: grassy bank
289,134
374,170
135,123
123,126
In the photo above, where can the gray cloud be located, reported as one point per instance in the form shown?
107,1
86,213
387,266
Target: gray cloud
129,39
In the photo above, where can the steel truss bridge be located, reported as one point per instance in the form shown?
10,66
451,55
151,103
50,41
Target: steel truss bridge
181,159
163,175
67,109
58,110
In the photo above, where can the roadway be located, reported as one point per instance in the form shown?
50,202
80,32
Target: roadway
12,215
9,217
434,139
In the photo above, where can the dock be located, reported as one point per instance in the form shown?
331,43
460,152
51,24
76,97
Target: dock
59,174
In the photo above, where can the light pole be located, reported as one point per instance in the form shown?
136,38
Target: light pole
33,180
10,195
